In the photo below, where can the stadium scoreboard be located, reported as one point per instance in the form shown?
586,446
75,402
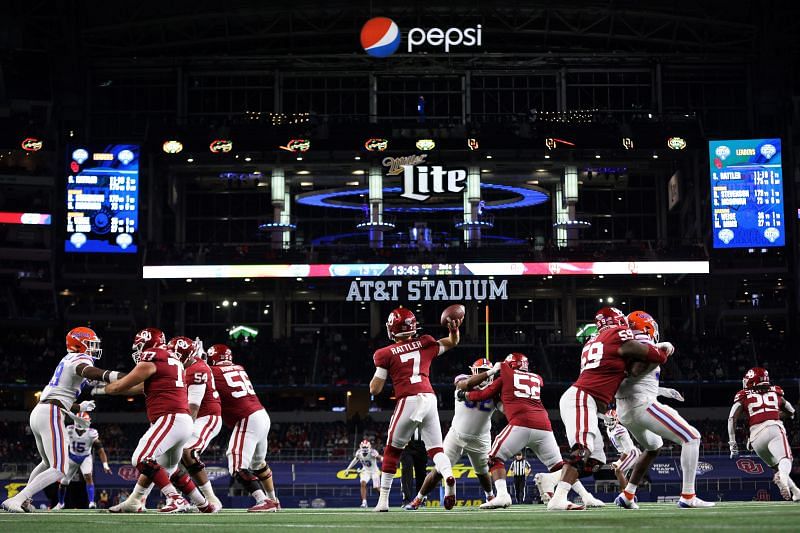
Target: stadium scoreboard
103,199
747,193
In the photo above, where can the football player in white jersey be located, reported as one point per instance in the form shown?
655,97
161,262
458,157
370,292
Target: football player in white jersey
470,433
57,401
82,442
621,440
648,420
369,471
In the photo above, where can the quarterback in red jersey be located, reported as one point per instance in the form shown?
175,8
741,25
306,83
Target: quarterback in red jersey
764,404
407,361
243,413
528,423
160,375
604,360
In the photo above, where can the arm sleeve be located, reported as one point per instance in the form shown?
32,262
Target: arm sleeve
489,392
196,393
732,421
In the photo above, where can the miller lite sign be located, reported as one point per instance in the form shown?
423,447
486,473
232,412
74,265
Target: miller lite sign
420,181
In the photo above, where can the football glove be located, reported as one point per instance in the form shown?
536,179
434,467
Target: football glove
667,347
98,391
734,449
461,395
495,369
670,393
87,406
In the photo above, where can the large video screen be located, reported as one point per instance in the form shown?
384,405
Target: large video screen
747,193
103,199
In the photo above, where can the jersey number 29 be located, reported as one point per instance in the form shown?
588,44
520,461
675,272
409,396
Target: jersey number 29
763,402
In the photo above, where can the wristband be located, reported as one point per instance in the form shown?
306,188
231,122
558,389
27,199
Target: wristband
113,376
106,467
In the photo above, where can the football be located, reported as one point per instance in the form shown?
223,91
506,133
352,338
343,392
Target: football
452,312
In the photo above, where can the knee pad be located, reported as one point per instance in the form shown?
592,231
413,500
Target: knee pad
496,464
148,468
391,456
433,451
182,482
264,473
591,468
195,468
248,481
556,467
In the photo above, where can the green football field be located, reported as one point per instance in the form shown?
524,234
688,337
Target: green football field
735,516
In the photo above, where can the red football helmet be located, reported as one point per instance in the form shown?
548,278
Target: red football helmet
756,377
219,354
641,321
84,340
609,317
517,361
182,347
146,339
401,323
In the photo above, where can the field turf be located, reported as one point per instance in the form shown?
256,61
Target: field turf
734,516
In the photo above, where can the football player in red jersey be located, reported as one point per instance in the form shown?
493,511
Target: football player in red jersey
243,413
160,376
603,366
764,403
528,423
407,361
205,408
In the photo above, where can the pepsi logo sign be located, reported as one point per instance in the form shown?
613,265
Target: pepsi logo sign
380,37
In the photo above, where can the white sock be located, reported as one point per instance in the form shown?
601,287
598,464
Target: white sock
690,455
271,495
487,495
363,502
386,482
442,465
562,490
631,487
259,496
41,467
582,492
42,480
500,487
207,490
140,492
169,490
420,496
785,468
197,498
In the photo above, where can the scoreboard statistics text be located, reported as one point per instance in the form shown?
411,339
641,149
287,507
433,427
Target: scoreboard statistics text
103,199
747,193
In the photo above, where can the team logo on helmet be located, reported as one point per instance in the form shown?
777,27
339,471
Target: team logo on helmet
380,37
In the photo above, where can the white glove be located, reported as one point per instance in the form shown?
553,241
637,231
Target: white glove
87,406
198,348
495,369
666,392
734,449
98,391
667,347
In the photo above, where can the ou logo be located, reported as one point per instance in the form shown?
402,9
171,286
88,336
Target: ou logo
749,466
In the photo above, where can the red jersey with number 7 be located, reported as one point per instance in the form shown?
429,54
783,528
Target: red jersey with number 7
521,394
165,391
602,367
236,393
408,364
761,404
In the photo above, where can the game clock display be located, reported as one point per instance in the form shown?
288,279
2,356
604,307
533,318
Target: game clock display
103,199
747,193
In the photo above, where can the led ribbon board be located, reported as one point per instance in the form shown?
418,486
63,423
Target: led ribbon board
345,270
747,193
25,218
103,200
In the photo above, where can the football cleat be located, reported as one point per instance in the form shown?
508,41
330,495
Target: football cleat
58,506
566,505
593,502
215,501
363,505
129,505
450,493
625,503
92,505
501,501
12,506
694,503
267,506
28,507
175,504
208,507
415,504
544,486
786,492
